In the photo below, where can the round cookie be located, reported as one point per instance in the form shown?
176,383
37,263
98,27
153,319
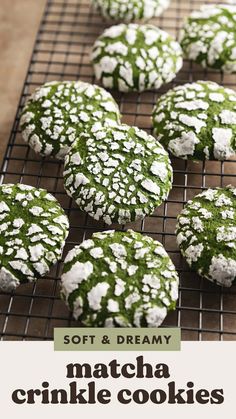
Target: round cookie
136,57
119,279
33,230
127,11
209,38
206,234
197,121
58,112
117,174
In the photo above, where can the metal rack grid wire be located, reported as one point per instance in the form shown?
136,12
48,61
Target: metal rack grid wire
62,52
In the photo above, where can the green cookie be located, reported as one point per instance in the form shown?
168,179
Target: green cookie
136,58
206,234
127,11
33,232
209,37
117,175
197,121
58,112
119,279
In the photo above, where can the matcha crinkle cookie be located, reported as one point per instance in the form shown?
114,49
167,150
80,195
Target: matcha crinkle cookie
119,279
127,11
117,175
136,57
33,232
58,112
206,234
197,121
209,38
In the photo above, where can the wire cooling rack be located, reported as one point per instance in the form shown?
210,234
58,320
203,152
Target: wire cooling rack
62,52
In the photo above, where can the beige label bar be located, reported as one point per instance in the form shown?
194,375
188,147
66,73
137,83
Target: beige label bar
117,339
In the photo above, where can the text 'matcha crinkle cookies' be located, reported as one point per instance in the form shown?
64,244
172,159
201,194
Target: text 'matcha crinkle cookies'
119,279
208,37
136,57
206,234
130,10
57,112
197,121
117,175
33,230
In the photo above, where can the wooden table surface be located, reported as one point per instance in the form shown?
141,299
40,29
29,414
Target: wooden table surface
19,21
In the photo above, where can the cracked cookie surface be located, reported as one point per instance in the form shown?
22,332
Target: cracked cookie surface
118,175
119,279
136,57
206,234
127,11
209,38
33,231
58,112
197,121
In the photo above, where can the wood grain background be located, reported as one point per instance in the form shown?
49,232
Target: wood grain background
19,20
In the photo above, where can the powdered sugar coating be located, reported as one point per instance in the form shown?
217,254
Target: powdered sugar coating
206,234
197,121
208,37
127,11
135,57
120,289
33,231
116,178
58,112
